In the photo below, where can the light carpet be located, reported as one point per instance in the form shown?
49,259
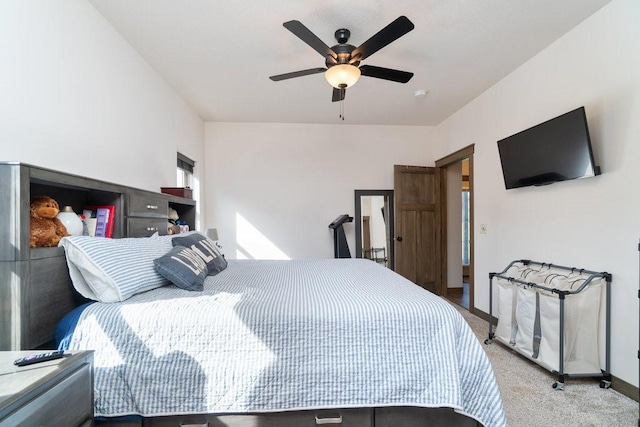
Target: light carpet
530,400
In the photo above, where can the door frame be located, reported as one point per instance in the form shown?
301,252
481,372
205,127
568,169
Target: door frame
442,164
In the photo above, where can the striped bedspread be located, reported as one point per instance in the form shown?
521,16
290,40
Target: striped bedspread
287,335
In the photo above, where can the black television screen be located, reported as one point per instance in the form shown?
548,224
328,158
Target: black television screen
556,150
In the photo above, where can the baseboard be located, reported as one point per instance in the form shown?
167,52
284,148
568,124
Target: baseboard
484,316
617,384
625,388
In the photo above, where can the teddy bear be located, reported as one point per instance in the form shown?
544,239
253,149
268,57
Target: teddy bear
173,227
46,228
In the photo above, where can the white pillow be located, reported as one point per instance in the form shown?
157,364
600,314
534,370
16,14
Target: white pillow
111,270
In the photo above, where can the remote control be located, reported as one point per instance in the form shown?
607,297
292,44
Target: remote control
37,358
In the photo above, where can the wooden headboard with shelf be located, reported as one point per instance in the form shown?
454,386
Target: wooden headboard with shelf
35,287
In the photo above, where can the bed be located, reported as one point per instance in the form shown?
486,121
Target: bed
272,343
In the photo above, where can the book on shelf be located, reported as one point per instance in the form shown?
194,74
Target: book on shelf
105,217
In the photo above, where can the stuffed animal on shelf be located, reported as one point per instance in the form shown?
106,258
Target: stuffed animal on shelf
46,229
173,227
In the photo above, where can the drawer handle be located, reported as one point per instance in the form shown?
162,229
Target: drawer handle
152,228
154,207
334,420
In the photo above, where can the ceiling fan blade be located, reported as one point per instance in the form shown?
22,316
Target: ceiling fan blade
388,34
309,38
297,74
338,94
385,73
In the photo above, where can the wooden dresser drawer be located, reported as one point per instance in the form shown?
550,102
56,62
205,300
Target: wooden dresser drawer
147,207
394,416
145,227
68,403
353,417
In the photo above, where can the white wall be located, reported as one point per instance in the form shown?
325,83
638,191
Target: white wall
76,97
274,188
592,223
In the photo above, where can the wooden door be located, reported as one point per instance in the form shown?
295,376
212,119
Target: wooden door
417,225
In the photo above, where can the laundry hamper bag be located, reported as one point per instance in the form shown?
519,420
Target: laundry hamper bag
529,319
581,325
516,309
530,295
507,327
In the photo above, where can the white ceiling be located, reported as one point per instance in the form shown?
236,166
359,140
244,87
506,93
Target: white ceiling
218,55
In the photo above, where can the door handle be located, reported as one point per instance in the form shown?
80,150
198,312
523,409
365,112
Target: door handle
399,238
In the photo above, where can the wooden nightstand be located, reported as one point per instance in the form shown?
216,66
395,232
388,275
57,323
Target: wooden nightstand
53,393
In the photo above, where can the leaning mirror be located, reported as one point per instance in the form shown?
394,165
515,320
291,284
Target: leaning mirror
374,225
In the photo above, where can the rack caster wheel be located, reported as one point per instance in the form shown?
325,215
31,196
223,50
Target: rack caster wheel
487,341
605,384
558,385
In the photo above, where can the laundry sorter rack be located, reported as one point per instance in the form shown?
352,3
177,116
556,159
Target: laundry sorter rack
552,315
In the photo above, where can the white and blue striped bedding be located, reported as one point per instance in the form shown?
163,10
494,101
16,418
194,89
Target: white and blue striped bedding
111,270
269,336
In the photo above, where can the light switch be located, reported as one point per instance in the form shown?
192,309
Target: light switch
483,228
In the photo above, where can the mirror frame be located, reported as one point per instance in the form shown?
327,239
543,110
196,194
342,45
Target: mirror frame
358,221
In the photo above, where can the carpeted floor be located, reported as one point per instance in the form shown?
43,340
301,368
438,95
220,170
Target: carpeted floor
530,400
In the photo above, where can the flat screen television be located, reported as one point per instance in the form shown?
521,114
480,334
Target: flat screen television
556,150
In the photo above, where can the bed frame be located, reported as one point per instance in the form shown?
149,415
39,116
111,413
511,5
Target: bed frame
353,417
400,416
43,292
348,417
35,289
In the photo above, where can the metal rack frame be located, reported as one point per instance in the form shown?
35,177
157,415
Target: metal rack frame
604,375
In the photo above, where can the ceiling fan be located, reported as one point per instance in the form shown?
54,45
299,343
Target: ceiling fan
342,61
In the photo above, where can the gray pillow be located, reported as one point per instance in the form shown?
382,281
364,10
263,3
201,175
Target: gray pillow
206,249
183,267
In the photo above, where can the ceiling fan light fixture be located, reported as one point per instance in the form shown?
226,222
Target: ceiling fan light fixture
342,76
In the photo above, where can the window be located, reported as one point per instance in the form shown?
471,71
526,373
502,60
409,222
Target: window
184,171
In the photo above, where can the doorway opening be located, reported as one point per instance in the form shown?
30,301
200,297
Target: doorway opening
457,226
